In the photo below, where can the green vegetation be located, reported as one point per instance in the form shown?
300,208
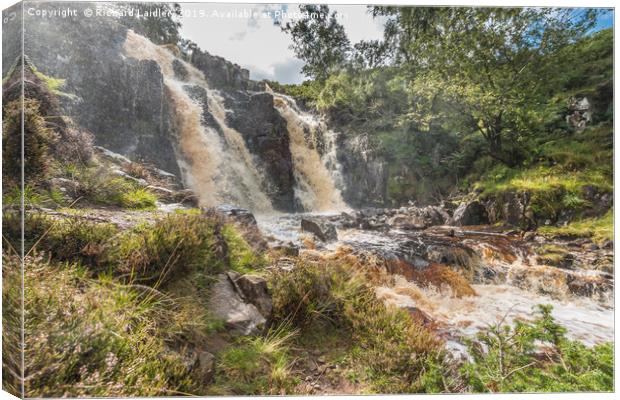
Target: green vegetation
240,255
452,99
536,357
600,229
387,350
257,365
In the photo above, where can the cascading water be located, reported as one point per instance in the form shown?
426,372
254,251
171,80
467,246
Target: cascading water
316,188
219,168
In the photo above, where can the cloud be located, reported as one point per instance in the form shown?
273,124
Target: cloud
238,36
286,72
289,71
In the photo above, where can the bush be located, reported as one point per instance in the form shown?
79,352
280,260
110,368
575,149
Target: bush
37,140
174,245
393,351
536,357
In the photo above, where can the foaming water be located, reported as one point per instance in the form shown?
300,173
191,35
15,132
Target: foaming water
315,189
585,320
219,168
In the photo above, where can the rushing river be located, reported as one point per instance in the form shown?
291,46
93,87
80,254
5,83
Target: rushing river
588,319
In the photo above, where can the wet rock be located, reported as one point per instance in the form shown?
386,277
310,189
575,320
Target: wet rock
253,290
179,70
420,316
226,303
240,215
415,218
324,231
470,213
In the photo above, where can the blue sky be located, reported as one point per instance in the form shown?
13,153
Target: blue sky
245,34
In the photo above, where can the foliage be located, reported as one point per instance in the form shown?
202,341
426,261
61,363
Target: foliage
89,337
600,229
160,22
319,40
37,140
390,349
241,257
257,365
177,244
485,67
535,357
98,185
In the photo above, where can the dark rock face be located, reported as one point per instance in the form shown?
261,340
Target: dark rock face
266,136
323,230
472,213
120,100
223,74
366,176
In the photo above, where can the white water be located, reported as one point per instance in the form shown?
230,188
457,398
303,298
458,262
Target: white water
219,168
585,319
315,176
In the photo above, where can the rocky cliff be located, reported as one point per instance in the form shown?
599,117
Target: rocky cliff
125,102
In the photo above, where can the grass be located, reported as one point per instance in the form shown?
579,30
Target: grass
95,337
599,229
389,350
258,365
241,257
552,255
556,180
95,184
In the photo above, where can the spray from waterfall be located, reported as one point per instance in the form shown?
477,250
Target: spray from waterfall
315,176
219,168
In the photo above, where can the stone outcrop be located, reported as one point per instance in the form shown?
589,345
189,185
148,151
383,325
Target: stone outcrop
470,213
323,230
229,303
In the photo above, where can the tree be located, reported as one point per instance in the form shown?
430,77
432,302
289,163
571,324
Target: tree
157,21
490,68
319,40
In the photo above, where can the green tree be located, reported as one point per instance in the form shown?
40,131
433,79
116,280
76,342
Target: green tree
489,68
319,40
157,21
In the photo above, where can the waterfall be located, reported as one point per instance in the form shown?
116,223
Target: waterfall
217,166
315,176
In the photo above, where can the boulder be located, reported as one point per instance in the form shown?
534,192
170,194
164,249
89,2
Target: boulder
470,213
240,215
324,231
226,303
419,218
253,289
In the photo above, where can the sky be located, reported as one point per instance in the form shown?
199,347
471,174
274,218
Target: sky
246,35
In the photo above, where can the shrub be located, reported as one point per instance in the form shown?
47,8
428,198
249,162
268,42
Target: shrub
37,139
78,239
536,357
174,245
392,350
